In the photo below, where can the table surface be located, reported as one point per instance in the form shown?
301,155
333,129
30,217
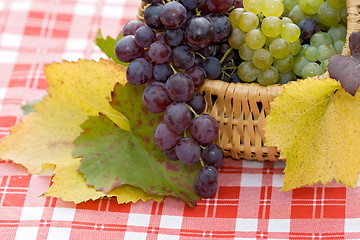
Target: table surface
248,205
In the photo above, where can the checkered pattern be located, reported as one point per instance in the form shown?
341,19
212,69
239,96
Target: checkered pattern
248,205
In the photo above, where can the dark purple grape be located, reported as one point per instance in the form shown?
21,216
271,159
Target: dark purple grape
199,32
197,74
131,27
222,26
127,50
234,78
183,57
174,36
152,16
146,55
212,67
198,60
155,97
159,53
216,6
204,129
152,1
213,155
206,183
308,27
144,36
162,72
165,138
192,4
197,102
173,15
139,71
177,117
209,51
238,3
160,37
180,87
171,154
188,150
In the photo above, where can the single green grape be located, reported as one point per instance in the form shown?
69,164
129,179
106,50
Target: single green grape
310,7
290,32
320,38
255,39
271,26
235,15
337,32
311,69
262,58
268,76
273,8
287,77
337,3
255,6
324,65
279,48
247,71
289,4
343,13
339,45
311,53
284,65
286,20
299,63
329,16
248,21
237,37
245,52
295,47
326,51
296,14
303,49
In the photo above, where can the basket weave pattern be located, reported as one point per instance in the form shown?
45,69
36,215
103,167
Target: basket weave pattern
241,108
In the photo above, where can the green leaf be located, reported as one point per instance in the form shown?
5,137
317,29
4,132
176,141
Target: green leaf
107,46
113,157
29,107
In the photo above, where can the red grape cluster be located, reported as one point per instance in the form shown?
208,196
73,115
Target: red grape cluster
179,45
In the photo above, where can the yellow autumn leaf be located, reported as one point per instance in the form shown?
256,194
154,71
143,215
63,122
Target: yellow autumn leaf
69,185
76,91
316,126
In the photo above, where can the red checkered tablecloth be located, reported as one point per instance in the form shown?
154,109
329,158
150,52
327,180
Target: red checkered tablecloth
248,205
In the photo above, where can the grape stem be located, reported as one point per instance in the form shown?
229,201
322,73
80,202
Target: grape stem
202,162
203,58
193,111
226,54
172,67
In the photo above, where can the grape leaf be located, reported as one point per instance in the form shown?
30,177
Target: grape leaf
76,90
29,107
107,46
113,156
346,70
316,126
69,185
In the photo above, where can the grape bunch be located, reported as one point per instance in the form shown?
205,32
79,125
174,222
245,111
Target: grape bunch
173,51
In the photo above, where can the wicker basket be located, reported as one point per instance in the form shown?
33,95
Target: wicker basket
241,108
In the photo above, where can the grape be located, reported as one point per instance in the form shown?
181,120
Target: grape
343,13
206,181
337,32
299,64
191,4
295,47
156,98
139,71
303,49
339,45
234,78
319,39
209,51
245,52
310,7
234,16
204,129
285,20
287,77
162,72
174,37
290,32
223,49
279,48
197,75
255,39
238,3
180,87
311,69
216,6
171,154
199,32
262,58
308,27
271,26
159,53
177,117
255,6
248,21
197,102
268,76
165,138
247,71
324,65
160,37
222,26
284,65
326,51
188,150
273,8
290,4
173,15
237,38
152,16
144,36
329,16
212,155
131,27
183,57
311,53
336,3
152,1
296,14
127,50
212,67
